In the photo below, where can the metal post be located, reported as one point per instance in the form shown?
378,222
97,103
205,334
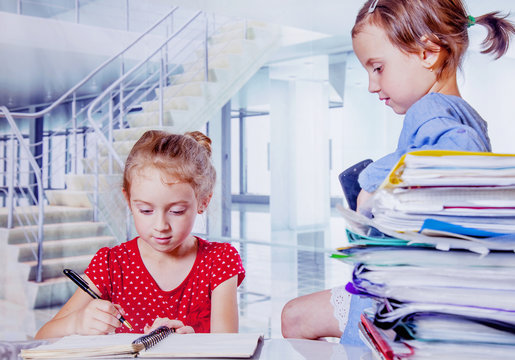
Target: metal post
95,191
226,170
243,158
10,186
41,222
75,152
122,99
110,134
161,90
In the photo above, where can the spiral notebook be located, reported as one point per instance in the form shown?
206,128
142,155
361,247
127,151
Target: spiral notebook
161,343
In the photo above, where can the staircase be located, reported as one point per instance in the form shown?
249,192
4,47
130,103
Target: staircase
190,98
71,239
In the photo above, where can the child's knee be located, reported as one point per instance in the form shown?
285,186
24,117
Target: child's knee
290,319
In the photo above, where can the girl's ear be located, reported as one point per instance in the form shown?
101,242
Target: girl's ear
204,203
126,196
429,54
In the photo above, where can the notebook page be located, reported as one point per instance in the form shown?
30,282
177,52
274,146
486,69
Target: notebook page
229,345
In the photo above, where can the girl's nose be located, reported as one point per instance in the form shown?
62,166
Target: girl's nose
373,86
161,223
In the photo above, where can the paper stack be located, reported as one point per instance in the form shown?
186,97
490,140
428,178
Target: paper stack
470,189
438,258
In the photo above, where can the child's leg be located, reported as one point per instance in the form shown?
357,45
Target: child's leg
310,317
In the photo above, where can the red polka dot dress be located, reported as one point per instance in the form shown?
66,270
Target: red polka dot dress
122,278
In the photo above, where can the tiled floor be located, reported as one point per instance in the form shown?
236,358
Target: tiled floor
279,266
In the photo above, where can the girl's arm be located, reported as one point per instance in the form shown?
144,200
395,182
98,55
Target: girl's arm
82,315
224,307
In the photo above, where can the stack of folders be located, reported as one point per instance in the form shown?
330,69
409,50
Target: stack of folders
438,258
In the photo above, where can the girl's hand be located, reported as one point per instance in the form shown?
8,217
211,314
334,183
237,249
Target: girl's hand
179,327
363,202
98,317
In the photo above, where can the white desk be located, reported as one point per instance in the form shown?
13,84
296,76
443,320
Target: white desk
269,349
295,349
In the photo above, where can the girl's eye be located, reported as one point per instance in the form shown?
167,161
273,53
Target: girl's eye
145,212
378,69
177,212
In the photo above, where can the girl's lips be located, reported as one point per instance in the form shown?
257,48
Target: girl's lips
162,240
386,100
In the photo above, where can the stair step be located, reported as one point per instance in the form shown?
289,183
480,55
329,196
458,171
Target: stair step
79,182
133,134
194,88
72,198
235,46
175,103
151,118
237,33
49,293
103,165
53,214
65,247
196,75
215,61
53,268
236,25
59,231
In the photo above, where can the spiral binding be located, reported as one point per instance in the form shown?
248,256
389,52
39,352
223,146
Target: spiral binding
154,337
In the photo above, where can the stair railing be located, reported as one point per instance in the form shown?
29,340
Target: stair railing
75,97
144,86
145,80
98,118
16,135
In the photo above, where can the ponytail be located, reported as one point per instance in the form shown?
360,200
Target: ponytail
499,30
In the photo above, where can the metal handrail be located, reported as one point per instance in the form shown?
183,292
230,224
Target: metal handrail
5,113
37,173
120,80
117,88
90,76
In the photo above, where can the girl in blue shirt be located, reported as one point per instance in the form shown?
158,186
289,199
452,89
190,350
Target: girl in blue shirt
411,51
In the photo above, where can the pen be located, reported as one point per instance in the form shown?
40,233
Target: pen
84,286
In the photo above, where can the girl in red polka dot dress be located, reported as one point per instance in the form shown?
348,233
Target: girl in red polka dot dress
165,276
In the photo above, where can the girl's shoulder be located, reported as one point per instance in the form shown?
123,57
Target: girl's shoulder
119,251
213,246
221,259
216,250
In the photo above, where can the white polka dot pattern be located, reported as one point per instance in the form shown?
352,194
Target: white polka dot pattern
122,278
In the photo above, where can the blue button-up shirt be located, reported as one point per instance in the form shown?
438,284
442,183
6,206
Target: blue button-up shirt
436,121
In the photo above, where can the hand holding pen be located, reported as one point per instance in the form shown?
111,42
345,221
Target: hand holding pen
79,281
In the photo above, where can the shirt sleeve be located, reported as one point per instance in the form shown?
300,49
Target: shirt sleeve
375,173
98,272
227,264
447,134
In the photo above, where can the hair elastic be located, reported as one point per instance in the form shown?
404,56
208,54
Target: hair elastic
471,21
372,6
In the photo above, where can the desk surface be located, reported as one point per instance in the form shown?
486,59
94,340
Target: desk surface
296,349
269,349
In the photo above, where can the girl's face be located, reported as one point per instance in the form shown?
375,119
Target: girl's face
164,210
399,78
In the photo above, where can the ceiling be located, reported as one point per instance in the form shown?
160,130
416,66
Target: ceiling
42,58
